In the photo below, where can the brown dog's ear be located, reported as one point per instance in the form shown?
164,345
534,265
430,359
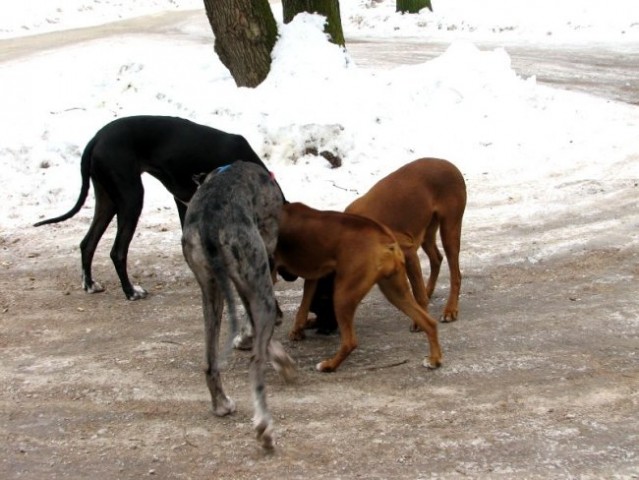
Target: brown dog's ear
199,178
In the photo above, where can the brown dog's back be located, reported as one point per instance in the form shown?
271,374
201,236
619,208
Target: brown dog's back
313,243
431,187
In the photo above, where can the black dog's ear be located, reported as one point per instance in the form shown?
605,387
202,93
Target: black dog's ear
286,275
199,178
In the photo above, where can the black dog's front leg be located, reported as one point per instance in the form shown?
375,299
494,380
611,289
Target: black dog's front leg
322,306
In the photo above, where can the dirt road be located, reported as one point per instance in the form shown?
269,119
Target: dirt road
541,376
603,69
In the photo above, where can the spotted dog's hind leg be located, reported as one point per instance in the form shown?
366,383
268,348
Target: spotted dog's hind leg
244,339
281,361
251,276
212,305
262,418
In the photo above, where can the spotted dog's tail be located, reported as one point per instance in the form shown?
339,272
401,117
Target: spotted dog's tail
224,282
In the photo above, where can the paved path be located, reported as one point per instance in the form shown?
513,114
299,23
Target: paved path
607,70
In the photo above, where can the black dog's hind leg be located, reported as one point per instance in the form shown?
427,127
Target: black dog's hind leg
181,211
104,213
129,211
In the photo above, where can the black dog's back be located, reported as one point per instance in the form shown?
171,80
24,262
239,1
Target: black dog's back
172,149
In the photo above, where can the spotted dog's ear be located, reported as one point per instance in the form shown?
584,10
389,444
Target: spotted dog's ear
199,178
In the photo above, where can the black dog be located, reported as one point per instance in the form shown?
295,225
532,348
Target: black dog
229,235
322,306
171,149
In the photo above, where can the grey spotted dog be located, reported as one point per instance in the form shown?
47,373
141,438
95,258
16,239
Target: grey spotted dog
229,235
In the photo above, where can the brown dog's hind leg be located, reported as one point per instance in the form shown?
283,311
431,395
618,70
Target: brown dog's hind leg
414,272
395,289
451,239
429,245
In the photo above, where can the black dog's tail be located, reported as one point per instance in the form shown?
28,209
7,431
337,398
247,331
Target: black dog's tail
85,168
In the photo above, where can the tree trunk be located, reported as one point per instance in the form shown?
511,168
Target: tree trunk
245,33
412,6
328,8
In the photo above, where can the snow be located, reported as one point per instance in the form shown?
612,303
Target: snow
574,20
539,162
541,20
29,17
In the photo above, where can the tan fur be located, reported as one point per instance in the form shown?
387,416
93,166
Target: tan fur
362,253
414,202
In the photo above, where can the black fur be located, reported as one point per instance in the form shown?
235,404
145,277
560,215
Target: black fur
322,306
173,150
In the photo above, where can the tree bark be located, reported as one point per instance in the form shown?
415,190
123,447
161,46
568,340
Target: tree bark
245,33
412,6
328,8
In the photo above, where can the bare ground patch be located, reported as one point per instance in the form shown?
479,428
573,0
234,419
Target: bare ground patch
540,376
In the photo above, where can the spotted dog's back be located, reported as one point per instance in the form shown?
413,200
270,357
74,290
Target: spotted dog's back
233,217
230,232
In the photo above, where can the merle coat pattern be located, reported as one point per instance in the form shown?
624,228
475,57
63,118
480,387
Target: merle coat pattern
171,149
229,236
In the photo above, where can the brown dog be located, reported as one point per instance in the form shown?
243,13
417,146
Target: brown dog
414,202
362,253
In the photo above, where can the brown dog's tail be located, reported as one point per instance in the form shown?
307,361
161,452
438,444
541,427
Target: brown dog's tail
398,254
392,259
85,168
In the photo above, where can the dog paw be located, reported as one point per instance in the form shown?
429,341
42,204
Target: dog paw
324,367
448,317
264,433
224,407
431,364
138,293
311,322
282,361
243,342
296,335
94,287
415,328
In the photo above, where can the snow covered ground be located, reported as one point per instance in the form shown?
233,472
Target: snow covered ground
572,20
532,156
